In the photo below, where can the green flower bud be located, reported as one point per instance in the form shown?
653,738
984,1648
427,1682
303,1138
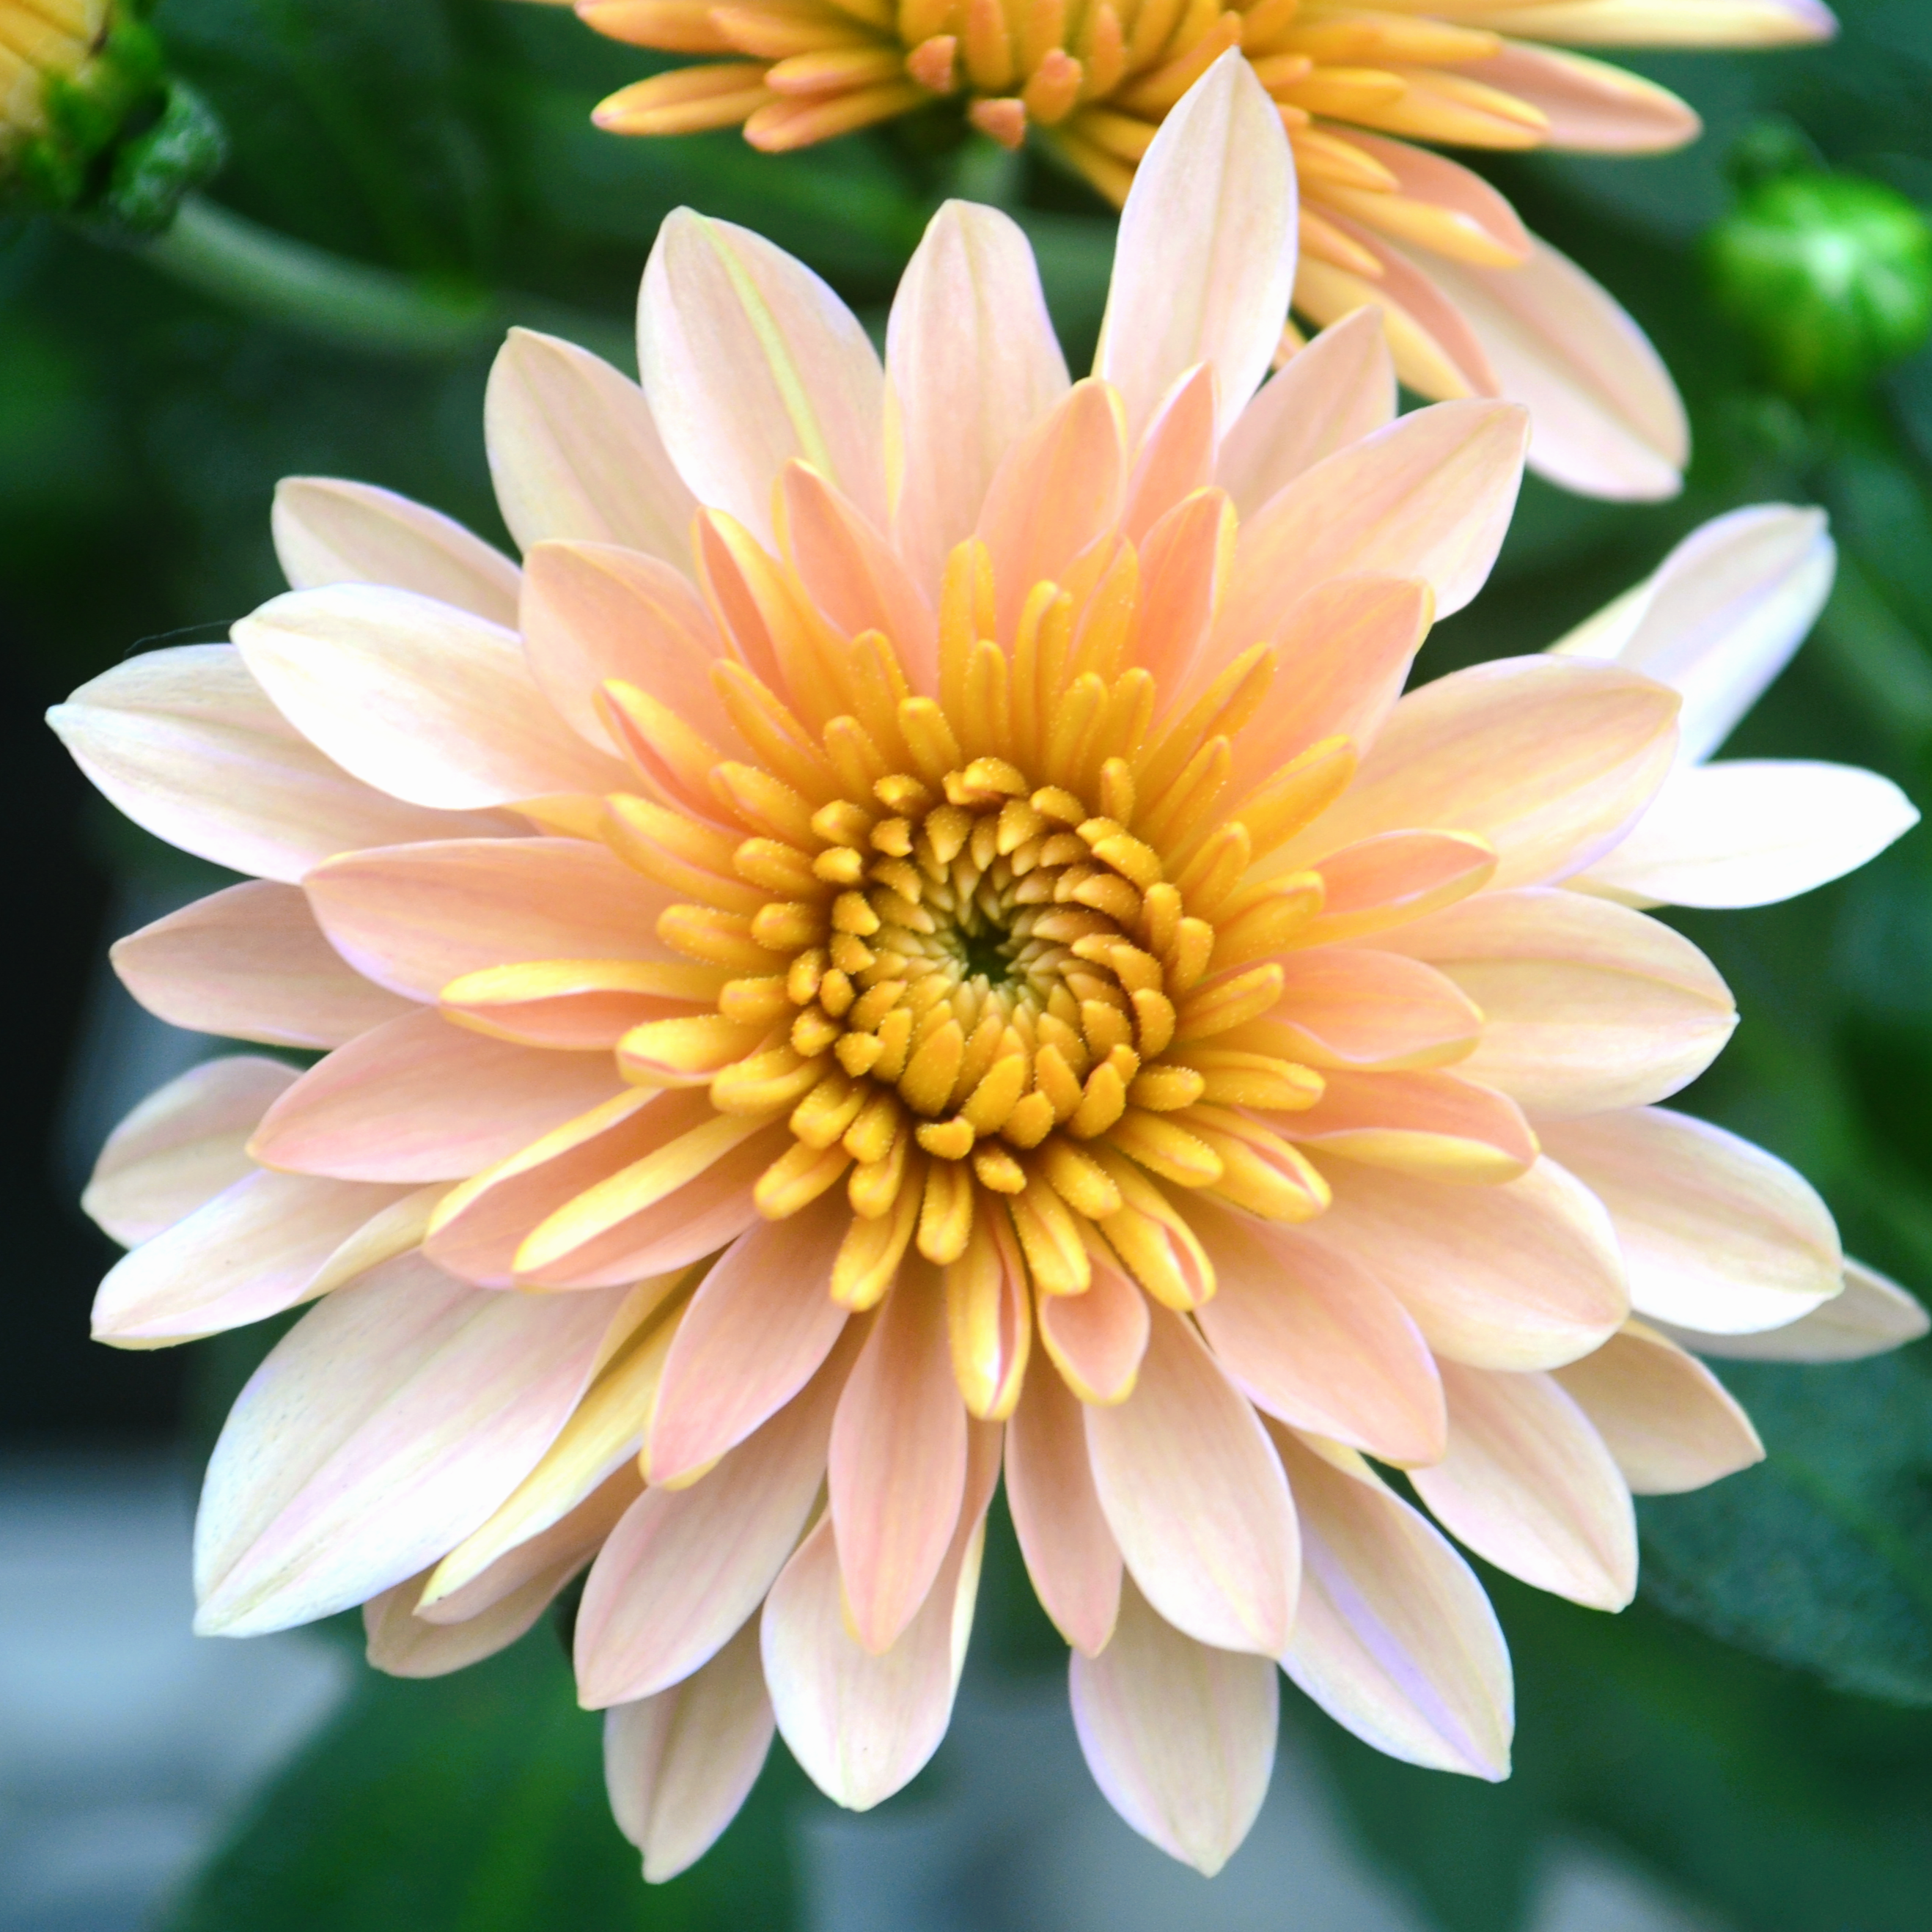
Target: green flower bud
1828,276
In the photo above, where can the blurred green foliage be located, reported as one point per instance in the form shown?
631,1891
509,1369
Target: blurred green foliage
148,400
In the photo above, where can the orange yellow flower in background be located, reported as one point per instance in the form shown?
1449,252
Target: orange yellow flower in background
916,942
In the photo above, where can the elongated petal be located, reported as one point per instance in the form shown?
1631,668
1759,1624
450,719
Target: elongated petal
1660,23
1070,1552
1528,1483
1394,1637
1432,1126
1309,1334
328,531
1381,886
1179,1737
1591,107
749,359
971,363
1205,259
1751,831
413,918
402,1644
186,743
1870,1316
250,963
1719,1234
1350,1007
1193,1491
677,1766
423,1099
574,452
1607,418
1586,1006
1524,1276
182,1145
390,1419
1668,1422
1097,1339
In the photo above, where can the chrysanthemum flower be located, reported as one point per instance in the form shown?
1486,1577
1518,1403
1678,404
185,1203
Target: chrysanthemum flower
939,951
1474,305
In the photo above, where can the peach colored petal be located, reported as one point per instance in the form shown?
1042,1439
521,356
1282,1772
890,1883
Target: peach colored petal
1391,881
1176,456
572,1003
415,917
400,1643
257,1248
250,963
1070,1552
390,1420
863,1725
1434,202
423,701
1552,770
422,1100
1308,1333
761,1322
1432,1126
1524,1276
1527,1484
971,364
328,531
1097,1339
1435,351
184,1144
1608,419
1194,1495
1655,23
1395,1638
186,743
749,359
1668,1422
1184,564
677,1766
1338,390
1752,832
592,612
1346,1007
1871,1315
1591,107
575,453
1179,1737
1719,1234
1205,259
1586,1006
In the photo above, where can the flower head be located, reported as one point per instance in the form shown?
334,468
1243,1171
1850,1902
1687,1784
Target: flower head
935,949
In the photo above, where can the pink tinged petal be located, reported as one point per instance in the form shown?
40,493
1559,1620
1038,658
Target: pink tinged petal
1394,1638
1428,1125
1668,1422
971,364
1552,763
257,1248
749,360
1527,1484
413,918
1591,107
863,1725
1309,1334
677,1766
574,453
186,743
1342,1007
1393,880
402,1644
593,612
250,963
1176,456
1870,1316
1070,1552
421,1099
1751,831
687,1566
1719,1234
423,701
1432,202
1660,23
1720,617
1525,1276
1205,259
898,1466
1608,419
760,1325
182,1146
1338,390
1429,497
1097,1339
1179,1737
1193,1491
1184,567
1058,487
1587,1006
392,1419
327,531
